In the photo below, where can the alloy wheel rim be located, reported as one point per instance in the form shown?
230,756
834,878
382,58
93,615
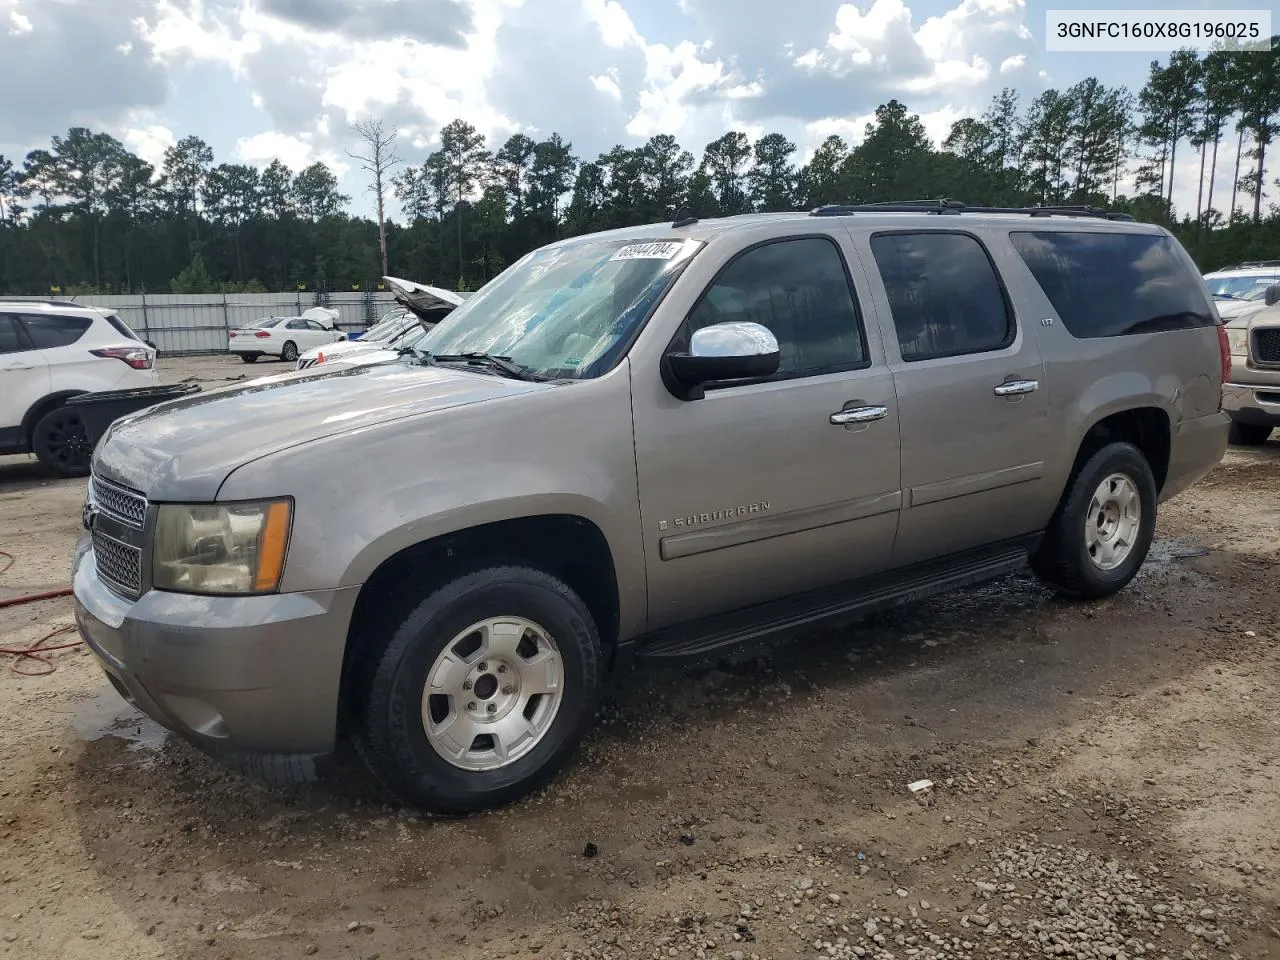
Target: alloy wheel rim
1113,521
492,693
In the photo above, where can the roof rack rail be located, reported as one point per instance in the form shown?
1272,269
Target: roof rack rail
953,207
1250,264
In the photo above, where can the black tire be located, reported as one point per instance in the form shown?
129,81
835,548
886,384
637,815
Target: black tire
1249,434
61,443
1063,560
289,352
389,733
250,357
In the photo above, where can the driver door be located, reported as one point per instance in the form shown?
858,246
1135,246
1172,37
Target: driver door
753,492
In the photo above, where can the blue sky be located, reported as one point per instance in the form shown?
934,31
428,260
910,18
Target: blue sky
260,79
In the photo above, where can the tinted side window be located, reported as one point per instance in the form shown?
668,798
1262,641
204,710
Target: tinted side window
48,331
943,293
1113,284
312,325
296,325
11,339
800,291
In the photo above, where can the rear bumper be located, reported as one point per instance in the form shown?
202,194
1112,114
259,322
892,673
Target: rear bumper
253,681
1197,447
1251,403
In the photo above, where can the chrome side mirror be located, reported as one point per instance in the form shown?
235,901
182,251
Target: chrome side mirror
723,351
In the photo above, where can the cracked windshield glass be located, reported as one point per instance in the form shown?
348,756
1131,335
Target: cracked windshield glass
565,312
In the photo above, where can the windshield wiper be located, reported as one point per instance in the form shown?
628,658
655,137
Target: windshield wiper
504,364
1229,296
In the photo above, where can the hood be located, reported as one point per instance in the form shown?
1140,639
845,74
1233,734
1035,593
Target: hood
342,348
324,316
185,448
1238,309
429,303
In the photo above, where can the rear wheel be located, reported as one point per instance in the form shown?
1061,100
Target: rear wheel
482,692
61,443
290,352
249,357
1100,536
1249,434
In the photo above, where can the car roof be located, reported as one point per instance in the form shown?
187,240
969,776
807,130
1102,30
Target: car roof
928,219
52,306
1258,269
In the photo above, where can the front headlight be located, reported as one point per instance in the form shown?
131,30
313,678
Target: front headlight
232,548
1238,342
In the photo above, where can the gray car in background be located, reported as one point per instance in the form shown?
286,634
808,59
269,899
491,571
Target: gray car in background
655,442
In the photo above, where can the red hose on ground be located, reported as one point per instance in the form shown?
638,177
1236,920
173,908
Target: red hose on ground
37,651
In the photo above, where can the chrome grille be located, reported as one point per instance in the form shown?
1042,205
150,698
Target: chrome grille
120,503
1266,345
119,565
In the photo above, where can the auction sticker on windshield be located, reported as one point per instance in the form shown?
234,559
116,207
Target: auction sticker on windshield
658,250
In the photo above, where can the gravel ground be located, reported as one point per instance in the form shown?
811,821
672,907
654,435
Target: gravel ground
1106,779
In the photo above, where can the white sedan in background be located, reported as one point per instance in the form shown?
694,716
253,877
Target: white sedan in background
286,337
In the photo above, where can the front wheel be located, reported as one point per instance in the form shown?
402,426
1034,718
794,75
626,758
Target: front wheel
1103,528
61,443
249,357
482,692
1249,434
290,352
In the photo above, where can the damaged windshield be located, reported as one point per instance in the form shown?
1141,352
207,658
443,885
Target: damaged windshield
564,312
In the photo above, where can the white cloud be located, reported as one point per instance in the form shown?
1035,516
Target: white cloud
149,141
294,152
955,49
608,83
1016,62
20,23
937,124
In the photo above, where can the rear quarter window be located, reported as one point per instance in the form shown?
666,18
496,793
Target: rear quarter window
47,331
120,326
1114,284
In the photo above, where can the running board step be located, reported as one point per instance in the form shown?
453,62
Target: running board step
780,618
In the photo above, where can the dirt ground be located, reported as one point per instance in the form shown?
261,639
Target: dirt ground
1107,780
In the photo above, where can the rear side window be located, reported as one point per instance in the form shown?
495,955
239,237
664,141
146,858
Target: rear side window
1114,284
800,291
944,294
296,324
121,327
48,331
11,339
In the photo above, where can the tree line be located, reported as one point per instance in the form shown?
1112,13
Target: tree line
87,215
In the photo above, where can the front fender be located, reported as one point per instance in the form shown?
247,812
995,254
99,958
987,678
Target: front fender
364,496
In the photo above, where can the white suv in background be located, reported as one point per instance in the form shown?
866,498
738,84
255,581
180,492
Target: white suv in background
50,351
1238,291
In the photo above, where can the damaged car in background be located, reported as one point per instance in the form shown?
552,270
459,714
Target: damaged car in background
423,308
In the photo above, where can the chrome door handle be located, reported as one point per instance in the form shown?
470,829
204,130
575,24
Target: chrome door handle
1014,388
859,415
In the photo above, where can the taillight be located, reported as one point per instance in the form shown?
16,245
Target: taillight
1225,347
140,358
233,334
262,334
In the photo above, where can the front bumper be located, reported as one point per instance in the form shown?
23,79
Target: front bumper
1252,403
240,677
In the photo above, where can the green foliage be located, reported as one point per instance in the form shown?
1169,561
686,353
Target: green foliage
86,213
194,278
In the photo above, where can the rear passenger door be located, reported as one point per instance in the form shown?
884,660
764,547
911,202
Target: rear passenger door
57,341
971,394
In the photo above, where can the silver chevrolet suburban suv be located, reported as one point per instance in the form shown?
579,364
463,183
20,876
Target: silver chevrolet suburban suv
655,442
